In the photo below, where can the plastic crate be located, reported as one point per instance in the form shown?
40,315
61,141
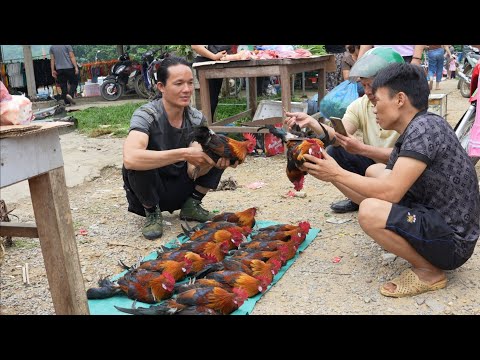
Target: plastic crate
272,108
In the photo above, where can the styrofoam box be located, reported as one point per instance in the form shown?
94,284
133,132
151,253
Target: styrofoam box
273,108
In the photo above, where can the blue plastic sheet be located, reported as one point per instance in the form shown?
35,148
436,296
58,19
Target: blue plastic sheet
106,306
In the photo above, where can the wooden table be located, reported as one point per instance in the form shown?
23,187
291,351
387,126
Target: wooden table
33,153
253,69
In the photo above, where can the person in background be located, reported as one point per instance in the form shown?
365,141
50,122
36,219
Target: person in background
411,53
453,67
159,159
65,70
335,78
349,58
436,56
349,152
424,205
212,53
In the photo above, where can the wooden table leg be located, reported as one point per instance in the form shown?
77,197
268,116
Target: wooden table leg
57,240
205,97
252,94
321,81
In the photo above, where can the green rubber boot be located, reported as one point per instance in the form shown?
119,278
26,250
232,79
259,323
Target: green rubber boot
153,227
193,210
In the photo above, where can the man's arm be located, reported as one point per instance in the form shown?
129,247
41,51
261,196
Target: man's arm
74,61
417,54
355,146
391,187
363,50
203,51
52,66
137,157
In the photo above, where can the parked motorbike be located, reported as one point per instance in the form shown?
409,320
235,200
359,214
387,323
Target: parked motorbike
464,126
119,80
147,87
469,60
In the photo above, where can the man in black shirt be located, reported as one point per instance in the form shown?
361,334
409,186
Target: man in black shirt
425,205
159,160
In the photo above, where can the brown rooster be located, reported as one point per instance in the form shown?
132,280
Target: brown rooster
142,285
298,144
214,298
178,269
217,146
285,227
296,148
241,218
242,280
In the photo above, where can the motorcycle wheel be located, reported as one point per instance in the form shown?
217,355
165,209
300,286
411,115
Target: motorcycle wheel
111,90
140,87
463,128
463,85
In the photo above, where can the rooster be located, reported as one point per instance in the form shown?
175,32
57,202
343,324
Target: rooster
219,146
264,235
241,218
285,227
299,144
142,285
214,298
252,267
242,280
178,269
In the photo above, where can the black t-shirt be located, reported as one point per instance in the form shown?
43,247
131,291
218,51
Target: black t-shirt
335,49
214,49
449,184
152,120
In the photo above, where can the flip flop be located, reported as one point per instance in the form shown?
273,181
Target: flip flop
409,284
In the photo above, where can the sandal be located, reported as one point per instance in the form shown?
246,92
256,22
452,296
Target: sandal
409,284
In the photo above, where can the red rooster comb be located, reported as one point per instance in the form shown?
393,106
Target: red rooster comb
304,226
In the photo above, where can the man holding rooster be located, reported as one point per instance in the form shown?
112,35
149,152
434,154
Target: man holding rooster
163,170
424,205
351,153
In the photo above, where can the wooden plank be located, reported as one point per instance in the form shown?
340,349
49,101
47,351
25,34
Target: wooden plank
19,230
231,119
321,81
242,72
57,240
26,156
266,121
237,129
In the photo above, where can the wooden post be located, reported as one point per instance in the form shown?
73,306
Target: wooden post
119,50
205,96
57,239
31,86
252,94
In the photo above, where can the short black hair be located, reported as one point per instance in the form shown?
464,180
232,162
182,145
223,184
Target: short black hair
162,72
407,78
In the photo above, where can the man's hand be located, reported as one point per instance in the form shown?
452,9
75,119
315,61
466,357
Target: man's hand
299,118
323,169
350,143
54,74
196,157
223,163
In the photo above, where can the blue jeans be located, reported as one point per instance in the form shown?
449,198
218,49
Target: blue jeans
435,64
357,164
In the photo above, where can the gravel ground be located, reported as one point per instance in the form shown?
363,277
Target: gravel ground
313,285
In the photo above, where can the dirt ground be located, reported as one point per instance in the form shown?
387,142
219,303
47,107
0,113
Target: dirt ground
313,285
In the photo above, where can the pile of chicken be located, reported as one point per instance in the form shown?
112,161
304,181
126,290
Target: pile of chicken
224,269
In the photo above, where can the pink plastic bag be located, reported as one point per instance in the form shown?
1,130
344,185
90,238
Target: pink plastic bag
17,111
474,141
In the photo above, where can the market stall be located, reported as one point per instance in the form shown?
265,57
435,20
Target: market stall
252,69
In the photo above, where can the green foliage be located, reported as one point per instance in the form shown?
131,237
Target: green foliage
182,50
113,120
87,53
314,49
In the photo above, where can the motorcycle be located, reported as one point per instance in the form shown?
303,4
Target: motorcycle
464,126
148,72
469,60
119,80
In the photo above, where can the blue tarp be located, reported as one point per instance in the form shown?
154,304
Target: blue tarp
106,306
